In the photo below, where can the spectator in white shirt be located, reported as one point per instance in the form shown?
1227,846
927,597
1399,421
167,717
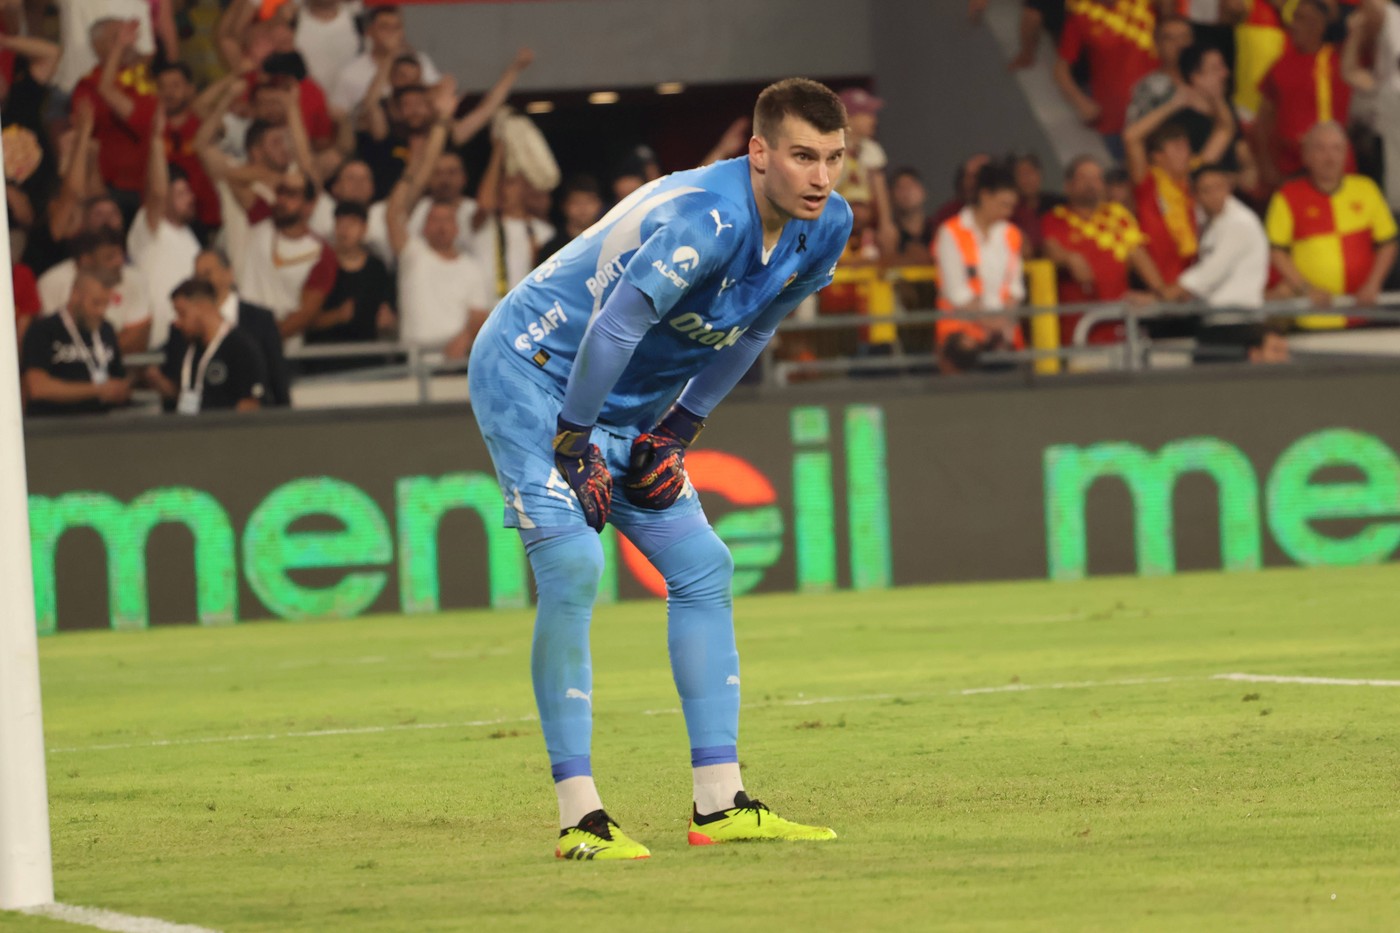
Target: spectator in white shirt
1232,262
444,296
161,243
978,253
287,268
327,38
385,35
1373,34
507,237
102,254
354,184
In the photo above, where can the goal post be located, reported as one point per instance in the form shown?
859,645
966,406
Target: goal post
26,858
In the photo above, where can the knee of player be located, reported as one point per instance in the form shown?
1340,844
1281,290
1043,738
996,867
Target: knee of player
571,562
709,571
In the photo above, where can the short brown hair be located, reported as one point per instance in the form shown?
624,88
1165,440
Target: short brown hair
803,98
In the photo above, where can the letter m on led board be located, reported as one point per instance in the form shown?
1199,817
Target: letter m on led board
124,530
1071,471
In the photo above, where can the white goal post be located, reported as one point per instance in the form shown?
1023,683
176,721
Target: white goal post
26,858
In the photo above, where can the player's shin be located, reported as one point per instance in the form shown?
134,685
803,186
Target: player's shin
567,568
704,660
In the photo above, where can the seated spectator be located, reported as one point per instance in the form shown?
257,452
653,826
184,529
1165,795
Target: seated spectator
1172,35
508,238
161,244
1331,232
216,366
1032,200
444,296
353,184
122,96
580,206
1095,243
978,254
1115,37
1232,265
1304,88
385,40
102,253
909,202
257,322
70,362
327,39
362,302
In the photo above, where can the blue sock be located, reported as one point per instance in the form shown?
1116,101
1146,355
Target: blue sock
700,630
567,568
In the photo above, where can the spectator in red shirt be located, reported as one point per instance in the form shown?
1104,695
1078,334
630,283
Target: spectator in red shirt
1160,157
1094,243
1304,88
1116,38
123,99
184,113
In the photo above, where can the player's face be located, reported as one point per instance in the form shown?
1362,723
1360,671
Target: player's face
800,166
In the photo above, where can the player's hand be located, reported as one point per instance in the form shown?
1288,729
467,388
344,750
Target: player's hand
655,475
581,464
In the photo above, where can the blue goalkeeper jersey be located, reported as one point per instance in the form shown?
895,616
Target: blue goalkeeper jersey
692,242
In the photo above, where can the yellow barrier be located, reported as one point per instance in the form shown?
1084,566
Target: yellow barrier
1045,328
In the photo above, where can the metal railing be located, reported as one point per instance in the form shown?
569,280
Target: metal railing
897,339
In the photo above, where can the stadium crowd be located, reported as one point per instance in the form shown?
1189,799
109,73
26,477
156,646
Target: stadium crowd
312,188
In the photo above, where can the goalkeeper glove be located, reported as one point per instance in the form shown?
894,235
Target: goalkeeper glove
655,474
582,466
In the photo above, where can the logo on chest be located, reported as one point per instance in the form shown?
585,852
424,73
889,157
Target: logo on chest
694,327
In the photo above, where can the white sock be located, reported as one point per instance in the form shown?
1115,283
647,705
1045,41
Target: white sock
578,797
715,786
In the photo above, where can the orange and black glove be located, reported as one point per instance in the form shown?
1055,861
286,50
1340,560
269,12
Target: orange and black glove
655,475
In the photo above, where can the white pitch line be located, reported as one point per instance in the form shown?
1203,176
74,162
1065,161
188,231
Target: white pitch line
314,734
799,701
1318,681
111,920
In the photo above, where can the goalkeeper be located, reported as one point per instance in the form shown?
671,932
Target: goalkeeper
591,379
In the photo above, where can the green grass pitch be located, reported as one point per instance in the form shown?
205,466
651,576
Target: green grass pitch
386,774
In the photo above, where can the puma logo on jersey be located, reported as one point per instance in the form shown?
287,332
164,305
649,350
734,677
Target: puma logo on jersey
720,225
694,327
727,283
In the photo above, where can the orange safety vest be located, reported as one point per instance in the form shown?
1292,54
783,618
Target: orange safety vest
972,258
